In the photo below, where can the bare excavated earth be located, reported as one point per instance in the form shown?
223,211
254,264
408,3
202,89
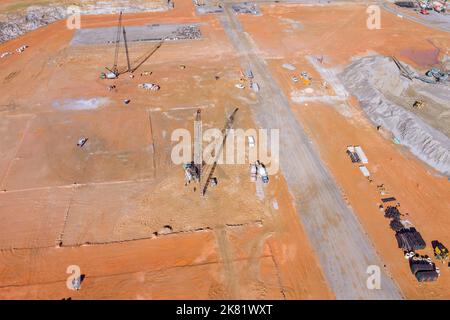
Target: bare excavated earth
388,98
17,18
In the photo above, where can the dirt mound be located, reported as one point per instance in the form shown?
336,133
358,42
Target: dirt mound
384,95
34,17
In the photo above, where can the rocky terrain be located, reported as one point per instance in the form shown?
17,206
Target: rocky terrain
15,24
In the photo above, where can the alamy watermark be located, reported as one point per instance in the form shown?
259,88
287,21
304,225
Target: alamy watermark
73,20
373,21
73,281
231,146
373,282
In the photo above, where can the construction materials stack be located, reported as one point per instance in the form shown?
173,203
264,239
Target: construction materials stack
409,239
423,268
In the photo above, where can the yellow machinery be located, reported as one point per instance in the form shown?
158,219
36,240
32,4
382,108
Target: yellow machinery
440,251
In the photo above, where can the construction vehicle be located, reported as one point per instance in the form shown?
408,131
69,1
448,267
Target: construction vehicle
440,251
418,104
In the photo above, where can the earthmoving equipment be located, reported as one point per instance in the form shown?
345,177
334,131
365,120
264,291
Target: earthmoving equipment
440,251
418,104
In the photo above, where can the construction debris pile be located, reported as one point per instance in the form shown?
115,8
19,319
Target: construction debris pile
424,6
187,32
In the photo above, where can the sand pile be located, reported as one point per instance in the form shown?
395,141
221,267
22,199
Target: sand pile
374,80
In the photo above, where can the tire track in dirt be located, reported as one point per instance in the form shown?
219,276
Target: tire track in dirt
226,258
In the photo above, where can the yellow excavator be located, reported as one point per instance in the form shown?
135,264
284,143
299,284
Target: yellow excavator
440,251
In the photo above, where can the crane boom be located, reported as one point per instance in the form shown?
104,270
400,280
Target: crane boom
228,125
116,53
126,49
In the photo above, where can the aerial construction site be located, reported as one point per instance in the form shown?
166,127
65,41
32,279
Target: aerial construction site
120,122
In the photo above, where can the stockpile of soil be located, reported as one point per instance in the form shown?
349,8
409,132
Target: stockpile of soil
377,83
14,25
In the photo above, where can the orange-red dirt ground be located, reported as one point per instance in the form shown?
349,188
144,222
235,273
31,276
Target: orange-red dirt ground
102,206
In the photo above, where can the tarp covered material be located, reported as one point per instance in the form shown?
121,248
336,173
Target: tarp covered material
361,154
364,171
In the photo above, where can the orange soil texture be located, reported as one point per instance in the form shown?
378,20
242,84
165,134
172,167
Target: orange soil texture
101,206
339,33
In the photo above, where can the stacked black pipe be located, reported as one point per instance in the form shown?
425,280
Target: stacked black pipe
423,269
409,239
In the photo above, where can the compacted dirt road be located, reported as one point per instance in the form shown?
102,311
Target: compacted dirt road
344,250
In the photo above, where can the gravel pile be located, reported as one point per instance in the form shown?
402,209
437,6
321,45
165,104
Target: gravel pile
370,79
34,17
